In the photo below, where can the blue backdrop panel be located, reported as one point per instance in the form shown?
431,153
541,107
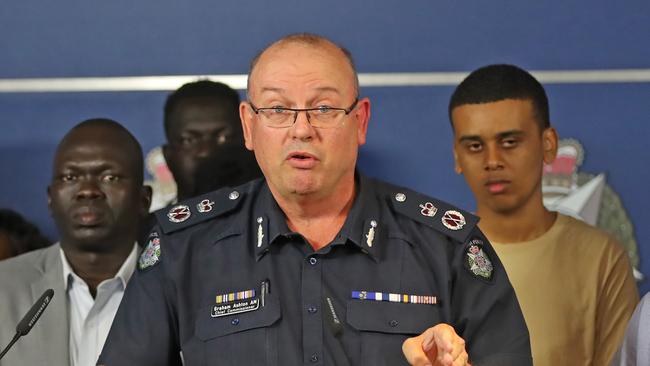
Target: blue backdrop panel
409,142
160,37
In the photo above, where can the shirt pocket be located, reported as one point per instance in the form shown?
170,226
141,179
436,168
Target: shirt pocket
245,338
384,326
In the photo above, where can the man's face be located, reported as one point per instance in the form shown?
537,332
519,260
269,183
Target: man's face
199,128
302,159
95,197
500,150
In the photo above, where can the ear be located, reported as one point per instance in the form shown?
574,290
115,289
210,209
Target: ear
549,144
246,117
146,194
457,167
49,199
362,115
166,152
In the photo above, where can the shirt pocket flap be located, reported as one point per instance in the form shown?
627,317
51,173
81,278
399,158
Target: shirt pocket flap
208,327
390,317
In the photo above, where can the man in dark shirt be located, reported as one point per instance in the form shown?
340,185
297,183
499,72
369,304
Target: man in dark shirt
316,264
204,149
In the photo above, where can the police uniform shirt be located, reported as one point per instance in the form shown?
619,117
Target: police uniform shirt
231,284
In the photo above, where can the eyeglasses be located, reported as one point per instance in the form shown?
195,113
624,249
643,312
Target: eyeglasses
319,117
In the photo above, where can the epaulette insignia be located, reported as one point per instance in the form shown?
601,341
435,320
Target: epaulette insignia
477,261
439,215
198,209
151,254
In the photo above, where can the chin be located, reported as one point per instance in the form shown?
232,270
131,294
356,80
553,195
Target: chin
302,190
504,207
302,185
90,236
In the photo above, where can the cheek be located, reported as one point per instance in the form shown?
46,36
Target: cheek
60,198
470,164
529,165
183,164
267,146
472,169
122,202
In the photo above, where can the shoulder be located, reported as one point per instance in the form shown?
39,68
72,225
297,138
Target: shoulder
17,273
582,234
28,264
204,208
436,214
184,227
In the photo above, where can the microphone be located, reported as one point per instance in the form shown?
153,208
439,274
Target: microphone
28,321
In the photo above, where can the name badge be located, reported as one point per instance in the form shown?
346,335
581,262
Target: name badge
235,307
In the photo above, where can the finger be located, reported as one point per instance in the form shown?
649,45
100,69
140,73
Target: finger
462,360
428,339
443,337
414,353
458,348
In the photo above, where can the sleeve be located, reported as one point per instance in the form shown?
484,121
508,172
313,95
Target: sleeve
617,298
144,331
485,310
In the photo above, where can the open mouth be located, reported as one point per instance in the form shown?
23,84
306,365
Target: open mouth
301,156
302,160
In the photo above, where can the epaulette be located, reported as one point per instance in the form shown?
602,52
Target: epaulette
198,209
441,216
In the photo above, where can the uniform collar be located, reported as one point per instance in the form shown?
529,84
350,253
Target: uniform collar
123,274
269,222
362,227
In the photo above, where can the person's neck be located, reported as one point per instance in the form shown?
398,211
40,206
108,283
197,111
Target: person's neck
527,223
95,267
318,218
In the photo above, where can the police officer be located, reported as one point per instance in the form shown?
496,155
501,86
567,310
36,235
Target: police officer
316,264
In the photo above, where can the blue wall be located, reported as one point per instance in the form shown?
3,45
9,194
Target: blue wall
410,138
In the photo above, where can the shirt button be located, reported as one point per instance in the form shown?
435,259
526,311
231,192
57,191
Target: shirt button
313,358
234,321
393,323
312,309
313,261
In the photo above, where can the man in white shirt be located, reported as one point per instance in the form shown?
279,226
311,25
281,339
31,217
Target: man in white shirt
97,200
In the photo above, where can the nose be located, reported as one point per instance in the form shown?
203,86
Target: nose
89,189
205,147
302,128
492,158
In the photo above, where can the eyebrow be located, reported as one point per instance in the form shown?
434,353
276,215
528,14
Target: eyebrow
510,133
320,89
95,168
500,135
271,89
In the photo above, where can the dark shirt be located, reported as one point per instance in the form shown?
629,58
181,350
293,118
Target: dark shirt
311,307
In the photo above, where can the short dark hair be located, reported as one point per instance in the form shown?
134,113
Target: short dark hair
23,236
495,83
205,88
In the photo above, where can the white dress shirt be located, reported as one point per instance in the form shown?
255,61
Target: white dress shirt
90,319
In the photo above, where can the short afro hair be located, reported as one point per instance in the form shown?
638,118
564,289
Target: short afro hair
494,83
220,92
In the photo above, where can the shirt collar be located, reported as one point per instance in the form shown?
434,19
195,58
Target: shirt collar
123,274
362,226
270,222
